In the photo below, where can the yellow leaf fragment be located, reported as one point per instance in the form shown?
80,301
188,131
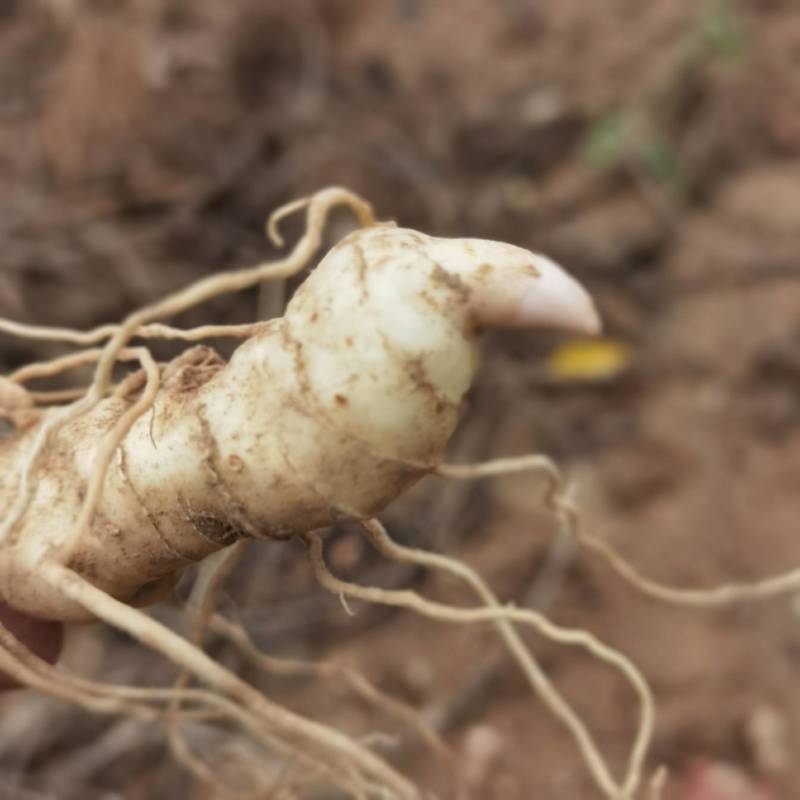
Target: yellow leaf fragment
586,360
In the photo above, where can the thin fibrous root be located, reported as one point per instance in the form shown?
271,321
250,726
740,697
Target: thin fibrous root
148,704
155,330
350,766
61,364
212,574
110,444
318,207
559,499
55,366
502,616
715,597
237,635
565,508
23,666
202,603
522,655
54,397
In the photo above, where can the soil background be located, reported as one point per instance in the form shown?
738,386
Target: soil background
650,147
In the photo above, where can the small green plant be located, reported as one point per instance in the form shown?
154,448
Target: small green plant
638,134
721,28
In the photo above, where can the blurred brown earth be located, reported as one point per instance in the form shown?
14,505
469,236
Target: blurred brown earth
652,148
